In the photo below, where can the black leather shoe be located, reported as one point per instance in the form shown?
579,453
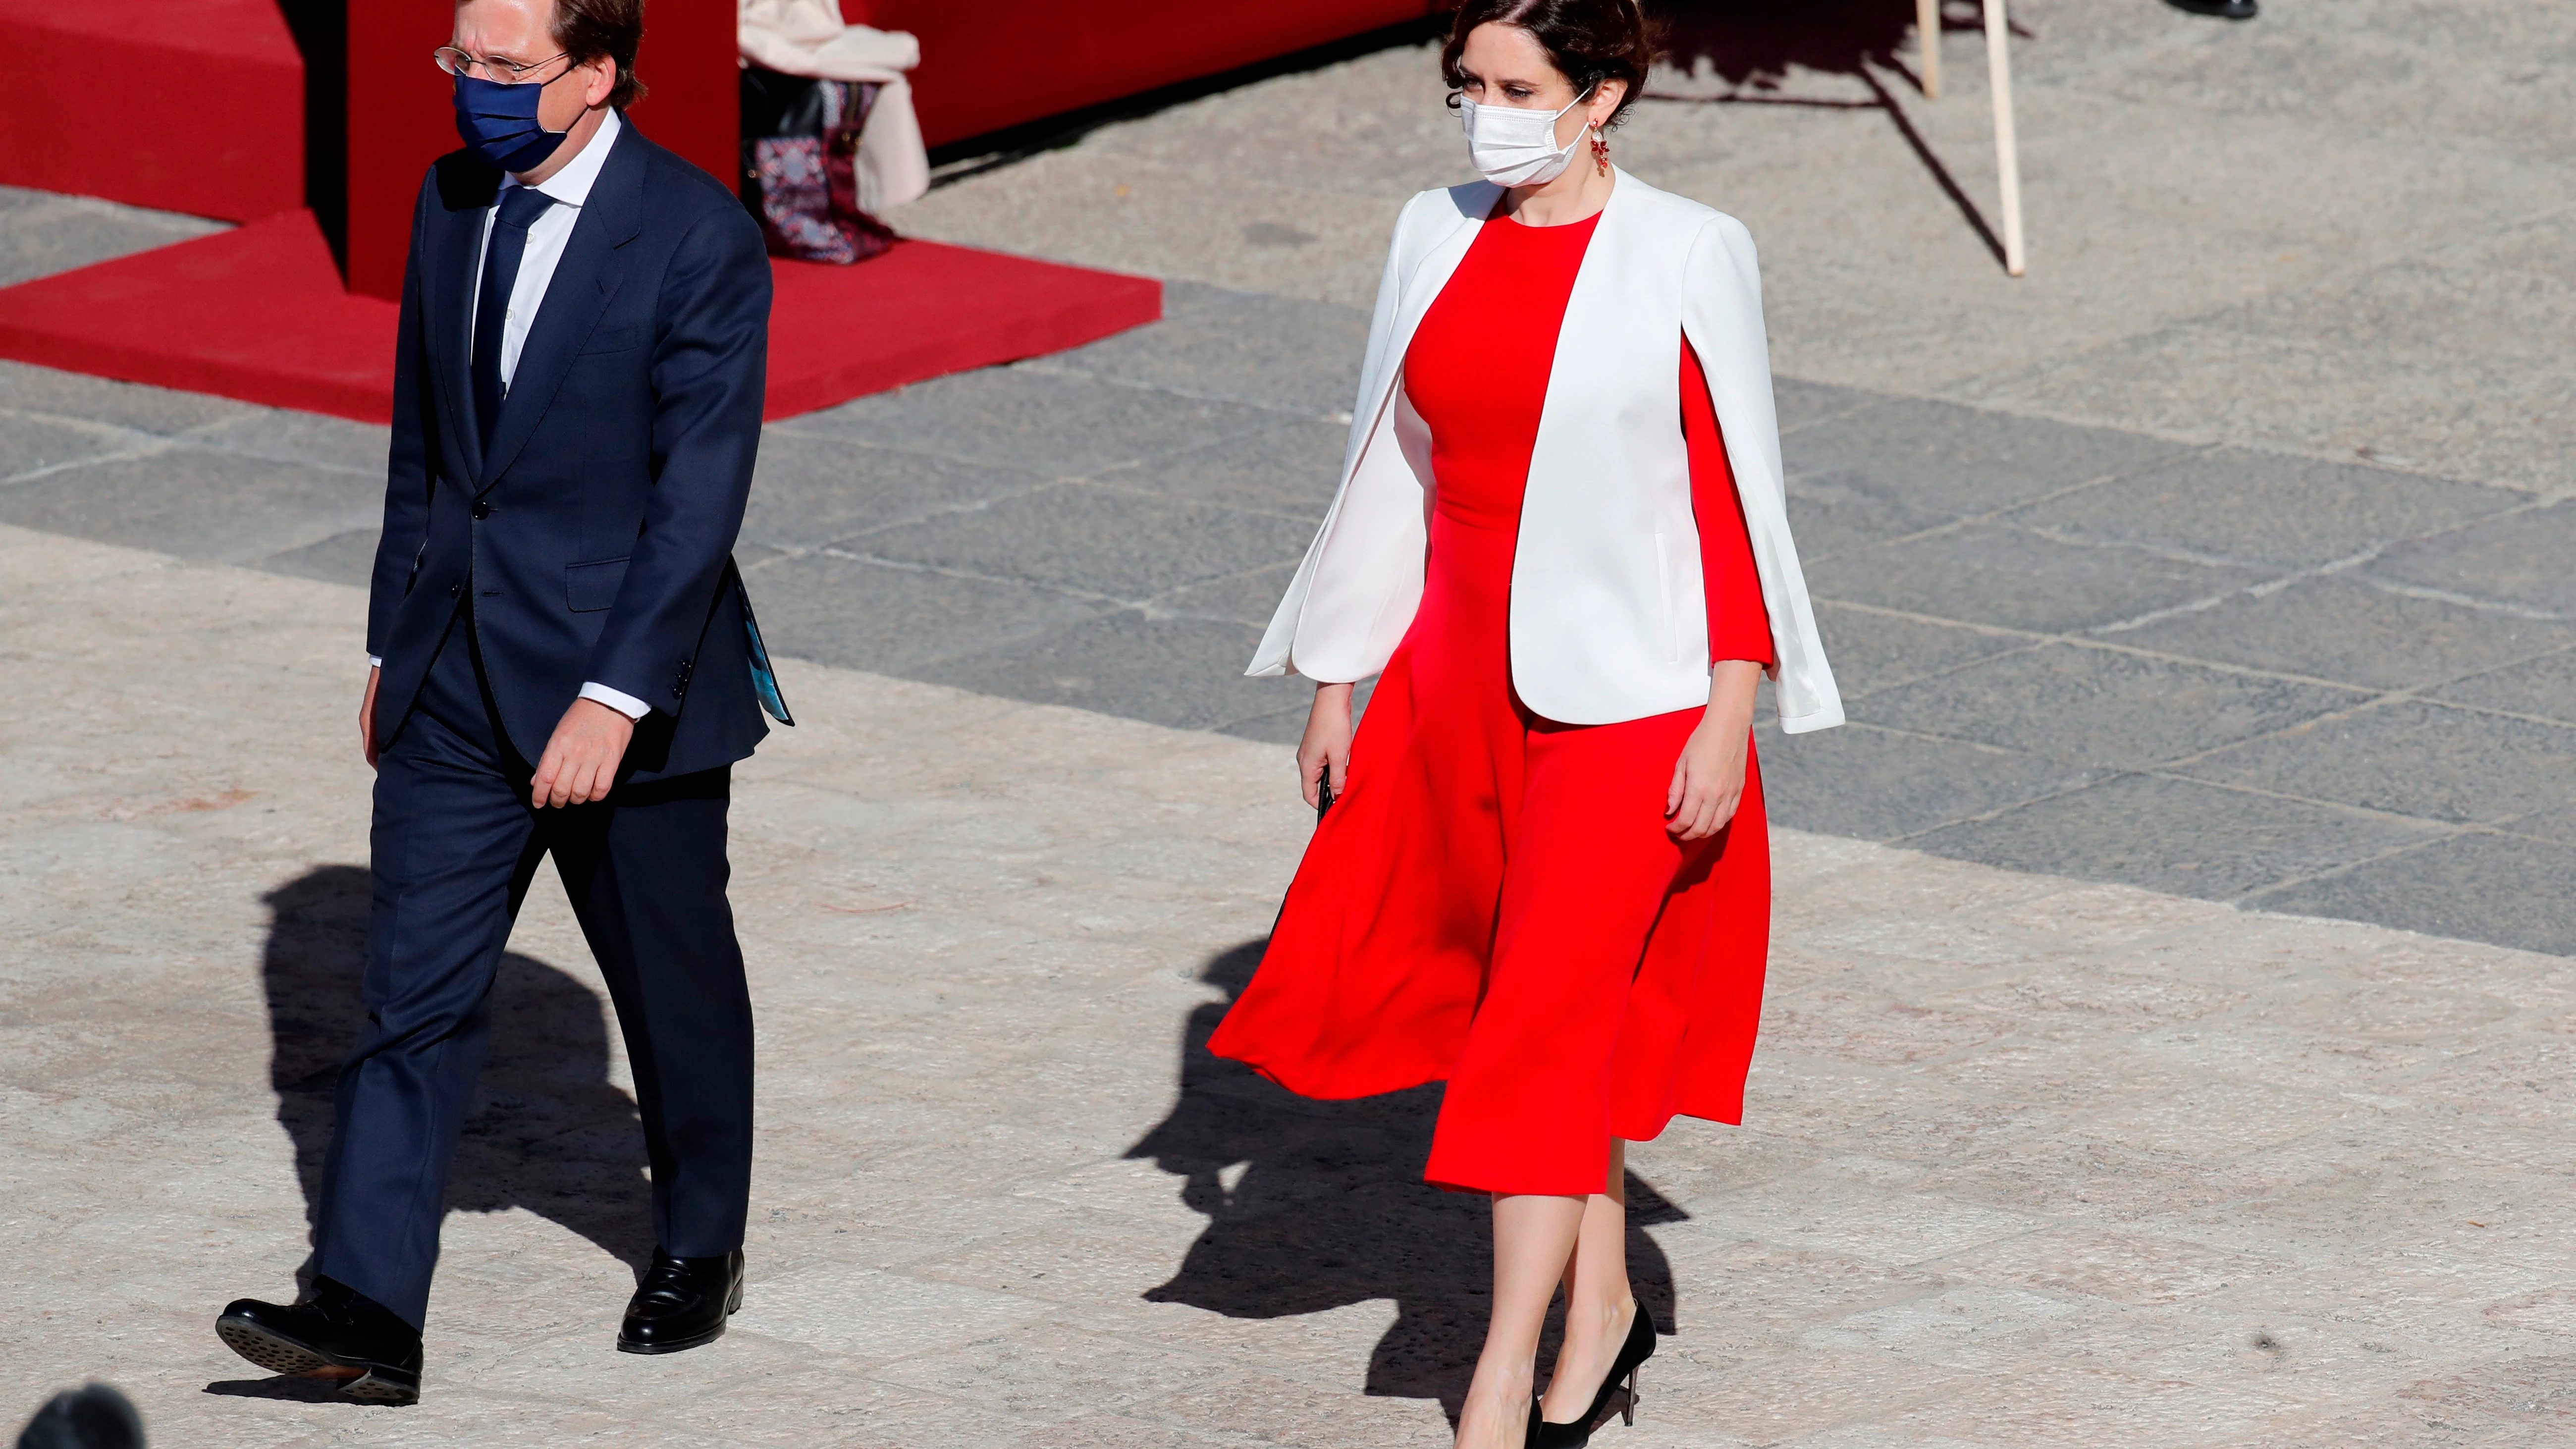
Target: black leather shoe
2223,9
94,1416
682,1303
1639,1347
341,1333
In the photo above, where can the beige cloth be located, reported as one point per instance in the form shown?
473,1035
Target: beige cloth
806,37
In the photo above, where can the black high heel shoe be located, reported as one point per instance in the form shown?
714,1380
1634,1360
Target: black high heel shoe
1639,1348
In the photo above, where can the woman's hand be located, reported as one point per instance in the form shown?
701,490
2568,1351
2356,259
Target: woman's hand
1708,780
1325,752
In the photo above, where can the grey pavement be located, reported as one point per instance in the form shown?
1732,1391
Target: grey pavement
2214,670
42,233
2027,1163
2224,554
2343,229
2224,557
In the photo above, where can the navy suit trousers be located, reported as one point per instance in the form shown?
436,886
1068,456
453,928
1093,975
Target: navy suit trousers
455,845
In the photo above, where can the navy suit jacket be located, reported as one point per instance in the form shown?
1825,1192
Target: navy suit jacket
596,537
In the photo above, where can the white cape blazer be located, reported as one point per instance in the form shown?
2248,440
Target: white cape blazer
1608,618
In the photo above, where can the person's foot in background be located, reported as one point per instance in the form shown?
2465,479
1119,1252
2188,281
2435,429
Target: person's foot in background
92,1417
2223,9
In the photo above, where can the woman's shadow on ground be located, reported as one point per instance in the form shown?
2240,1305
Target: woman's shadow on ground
1319,1205
550,1132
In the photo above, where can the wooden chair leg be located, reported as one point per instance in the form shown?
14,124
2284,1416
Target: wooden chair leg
2007,150
1927,43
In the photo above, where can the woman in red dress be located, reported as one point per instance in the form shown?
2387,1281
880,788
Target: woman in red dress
1543,875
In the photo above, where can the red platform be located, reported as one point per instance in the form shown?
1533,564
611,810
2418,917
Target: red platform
184,105
259,314
213,109
999,63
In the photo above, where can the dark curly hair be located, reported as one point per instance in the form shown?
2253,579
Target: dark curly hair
1588,41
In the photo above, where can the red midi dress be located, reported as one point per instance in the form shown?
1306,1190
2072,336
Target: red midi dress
1494,900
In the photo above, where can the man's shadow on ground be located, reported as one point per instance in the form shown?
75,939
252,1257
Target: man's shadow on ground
549,1131
1319,1205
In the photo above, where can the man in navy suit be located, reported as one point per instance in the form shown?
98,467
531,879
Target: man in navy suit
565,665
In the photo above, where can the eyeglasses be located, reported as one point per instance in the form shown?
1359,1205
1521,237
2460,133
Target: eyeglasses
492,67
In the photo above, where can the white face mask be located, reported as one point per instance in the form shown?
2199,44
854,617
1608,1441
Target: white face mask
1516,147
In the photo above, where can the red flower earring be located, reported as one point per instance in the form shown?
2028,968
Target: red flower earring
1600,154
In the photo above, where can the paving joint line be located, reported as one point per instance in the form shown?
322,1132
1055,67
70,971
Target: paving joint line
1129,490
2466,601
1984,817
1873,399
2411,694
2146,546
932,515
980,463
68,465
2418,693
975,576
1038,367
2253,898
1994,515
123,431
2176,611
2082,641
2341,807
2024,647
2204,441
909,450
1868,726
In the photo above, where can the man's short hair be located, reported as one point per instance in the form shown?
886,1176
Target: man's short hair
589,29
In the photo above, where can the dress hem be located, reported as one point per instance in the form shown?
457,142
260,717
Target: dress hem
1723,1116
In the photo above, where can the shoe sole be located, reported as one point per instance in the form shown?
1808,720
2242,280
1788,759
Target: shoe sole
626,1345
286,1356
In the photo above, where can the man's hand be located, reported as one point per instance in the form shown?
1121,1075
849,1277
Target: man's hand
367,718
580,763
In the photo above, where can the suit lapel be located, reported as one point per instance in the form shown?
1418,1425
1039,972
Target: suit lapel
583,283
466,189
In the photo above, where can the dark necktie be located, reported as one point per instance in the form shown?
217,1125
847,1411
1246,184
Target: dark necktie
520,205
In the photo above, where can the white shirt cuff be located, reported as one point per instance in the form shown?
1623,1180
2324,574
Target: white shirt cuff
375,661
618,700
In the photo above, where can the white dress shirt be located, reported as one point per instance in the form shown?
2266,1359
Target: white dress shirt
547,235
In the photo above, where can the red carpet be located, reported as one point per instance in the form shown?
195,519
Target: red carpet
259,314
923,310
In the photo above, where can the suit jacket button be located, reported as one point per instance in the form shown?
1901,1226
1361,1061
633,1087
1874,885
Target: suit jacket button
482,509
456,588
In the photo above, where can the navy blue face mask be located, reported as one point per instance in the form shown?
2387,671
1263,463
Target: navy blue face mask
499,123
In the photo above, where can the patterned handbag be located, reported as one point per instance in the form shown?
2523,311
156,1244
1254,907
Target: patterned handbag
799,139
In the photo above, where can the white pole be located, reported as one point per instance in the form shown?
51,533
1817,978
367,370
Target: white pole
2007,151
1927,40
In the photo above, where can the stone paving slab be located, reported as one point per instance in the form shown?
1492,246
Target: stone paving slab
2029,1161
42,233
2341,229
2023,613
2249,504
